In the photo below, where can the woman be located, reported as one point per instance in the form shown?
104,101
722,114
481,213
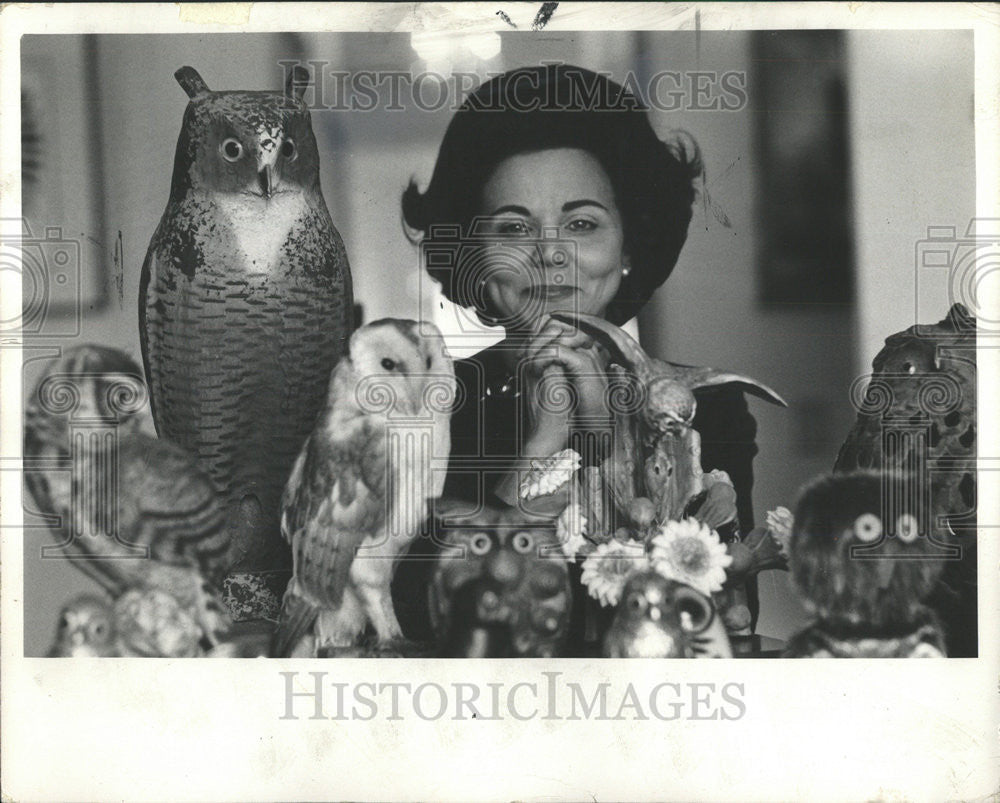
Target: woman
565,199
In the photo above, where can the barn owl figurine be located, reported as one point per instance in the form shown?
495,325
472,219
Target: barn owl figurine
661,618
862,562
501,586
245,301
358,492
136,512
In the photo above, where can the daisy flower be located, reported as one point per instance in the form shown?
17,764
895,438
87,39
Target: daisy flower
570,528
605,571
549,474
689,552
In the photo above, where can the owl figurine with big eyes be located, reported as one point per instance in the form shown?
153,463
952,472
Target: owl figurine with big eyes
520,594
662,618
245,301
863,564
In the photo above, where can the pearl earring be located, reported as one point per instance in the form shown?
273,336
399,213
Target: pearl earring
626,270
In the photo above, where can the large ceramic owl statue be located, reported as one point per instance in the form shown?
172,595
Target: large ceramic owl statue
501,586
245,305
918,414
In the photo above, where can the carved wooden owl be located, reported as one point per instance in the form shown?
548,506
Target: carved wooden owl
863,562
246,301
661,618
521,584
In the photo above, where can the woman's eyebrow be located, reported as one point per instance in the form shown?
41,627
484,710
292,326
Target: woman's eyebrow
518,210
571,205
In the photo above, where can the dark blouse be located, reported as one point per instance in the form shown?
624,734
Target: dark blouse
485,442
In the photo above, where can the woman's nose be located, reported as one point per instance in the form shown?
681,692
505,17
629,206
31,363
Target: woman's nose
555,255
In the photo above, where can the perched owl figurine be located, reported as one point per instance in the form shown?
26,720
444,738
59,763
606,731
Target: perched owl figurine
498,571
918,413
862,563
661,618
245,302
358,493
134,512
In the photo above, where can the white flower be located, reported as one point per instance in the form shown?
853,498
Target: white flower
605,571
549,474
570,527
689,552
780,523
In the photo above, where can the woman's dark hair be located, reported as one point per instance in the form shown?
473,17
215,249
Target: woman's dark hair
561,106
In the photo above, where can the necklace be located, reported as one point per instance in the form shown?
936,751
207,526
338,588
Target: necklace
509,387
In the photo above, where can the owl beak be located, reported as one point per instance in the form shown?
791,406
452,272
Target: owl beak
266,180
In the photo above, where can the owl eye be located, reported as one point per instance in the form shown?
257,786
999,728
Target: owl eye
288,149
909,367
523,542
99,629
231,149
695,611
867,527
636,602
388,364
480,544
64,622
906,528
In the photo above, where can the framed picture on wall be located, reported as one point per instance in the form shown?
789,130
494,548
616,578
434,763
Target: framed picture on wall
806,244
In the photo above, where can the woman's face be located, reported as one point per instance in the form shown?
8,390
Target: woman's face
555,234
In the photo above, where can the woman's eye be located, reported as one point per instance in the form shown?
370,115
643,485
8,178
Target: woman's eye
581,224
231,149
513,228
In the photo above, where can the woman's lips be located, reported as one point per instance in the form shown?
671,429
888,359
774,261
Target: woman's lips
551,292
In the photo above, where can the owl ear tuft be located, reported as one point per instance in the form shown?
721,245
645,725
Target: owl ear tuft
298,80
191,82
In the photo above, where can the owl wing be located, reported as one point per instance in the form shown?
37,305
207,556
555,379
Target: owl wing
334,500
177,510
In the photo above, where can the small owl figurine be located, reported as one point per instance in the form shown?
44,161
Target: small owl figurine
661,618
519,580
86,629
862,562
245,301
359,491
